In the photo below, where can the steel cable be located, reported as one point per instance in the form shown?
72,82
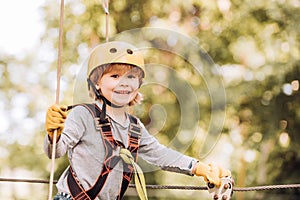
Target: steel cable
174,187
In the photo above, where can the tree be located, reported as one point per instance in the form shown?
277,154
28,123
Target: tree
254,43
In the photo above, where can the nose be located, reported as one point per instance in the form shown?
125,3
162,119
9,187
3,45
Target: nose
124,81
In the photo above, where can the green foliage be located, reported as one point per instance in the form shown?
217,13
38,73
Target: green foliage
257,42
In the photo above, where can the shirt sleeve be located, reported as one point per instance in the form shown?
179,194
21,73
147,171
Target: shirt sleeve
166,158
75,126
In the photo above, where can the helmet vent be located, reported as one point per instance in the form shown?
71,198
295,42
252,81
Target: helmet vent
129,51
113,50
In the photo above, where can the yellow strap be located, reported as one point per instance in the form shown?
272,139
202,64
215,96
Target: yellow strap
138,173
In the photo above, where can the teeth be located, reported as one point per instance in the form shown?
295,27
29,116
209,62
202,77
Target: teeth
123,92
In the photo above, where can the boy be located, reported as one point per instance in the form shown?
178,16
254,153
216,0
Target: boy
97,168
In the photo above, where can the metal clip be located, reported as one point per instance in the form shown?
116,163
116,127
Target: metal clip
224,192
105,6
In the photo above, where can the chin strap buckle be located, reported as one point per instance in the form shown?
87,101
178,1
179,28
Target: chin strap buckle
224,192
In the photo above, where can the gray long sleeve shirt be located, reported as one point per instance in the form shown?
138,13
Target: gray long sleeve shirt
86,153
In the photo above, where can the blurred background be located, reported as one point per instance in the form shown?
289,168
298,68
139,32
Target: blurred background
253,44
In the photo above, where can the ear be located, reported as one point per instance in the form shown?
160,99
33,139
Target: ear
97,87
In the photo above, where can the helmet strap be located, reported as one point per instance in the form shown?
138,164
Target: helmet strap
96,91
110,103
104,100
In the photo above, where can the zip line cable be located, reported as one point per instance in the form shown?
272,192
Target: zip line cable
173,187
57,97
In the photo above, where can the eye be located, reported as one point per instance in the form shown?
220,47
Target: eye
114,76
131,76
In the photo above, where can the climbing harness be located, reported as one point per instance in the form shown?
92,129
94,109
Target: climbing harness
129,157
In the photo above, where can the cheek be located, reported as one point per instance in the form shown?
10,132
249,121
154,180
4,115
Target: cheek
135,84
107,83
136,90
105,89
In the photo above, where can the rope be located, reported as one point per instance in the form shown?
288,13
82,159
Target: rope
60,40
58,75
106,10
138,173
267,187
57,97
173,187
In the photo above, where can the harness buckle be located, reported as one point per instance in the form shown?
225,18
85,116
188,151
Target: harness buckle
133,128
98,123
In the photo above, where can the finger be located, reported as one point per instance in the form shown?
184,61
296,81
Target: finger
53,128
214,179
54,119
216,182
61,109
224,172
51,131
50,115
53,125
53,116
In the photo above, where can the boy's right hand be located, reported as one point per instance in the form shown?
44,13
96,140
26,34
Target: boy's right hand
55,119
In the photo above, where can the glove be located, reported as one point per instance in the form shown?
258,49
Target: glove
211,173
55,118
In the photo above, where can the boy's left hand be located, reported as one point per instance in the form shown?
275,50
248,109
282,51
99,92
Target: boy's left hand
211,173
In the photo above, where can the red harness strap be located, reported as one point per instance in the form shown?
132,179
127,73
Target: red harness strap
110,144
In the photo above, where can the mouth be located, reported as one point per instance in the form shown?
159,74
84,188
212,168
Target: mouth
122,92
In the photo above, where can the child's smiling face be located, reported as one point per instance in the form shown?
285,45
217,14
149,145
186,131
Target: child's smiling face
120,84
